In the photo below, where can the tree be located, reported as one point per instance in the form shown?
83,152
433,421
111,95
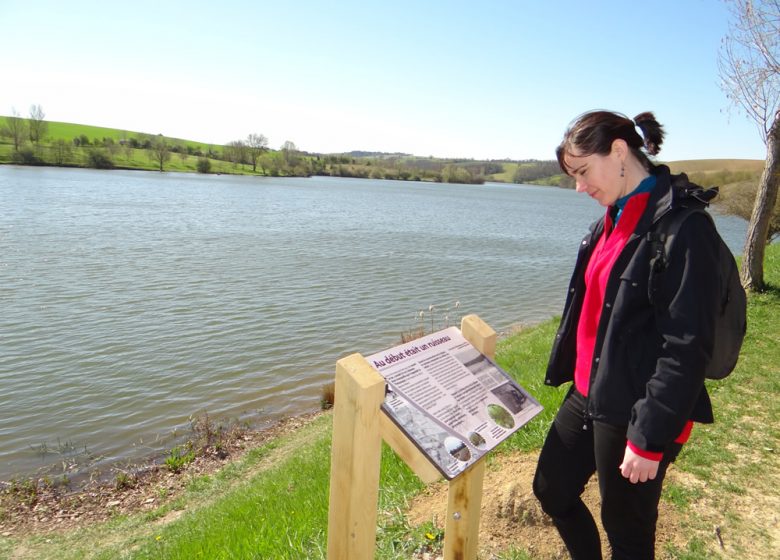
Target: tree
37,126
62,151
289,151
256,144
160,151
750,72
16,128
99,159
235,152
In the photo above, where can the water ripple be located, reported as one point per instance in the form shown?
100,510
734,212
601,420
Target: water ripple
133,300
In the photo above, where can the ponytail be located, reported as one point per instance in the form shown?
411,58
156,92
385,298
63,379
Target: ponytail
652,132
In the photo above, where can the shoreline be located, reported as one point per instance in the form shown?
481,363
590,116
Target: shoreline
40,504
78,463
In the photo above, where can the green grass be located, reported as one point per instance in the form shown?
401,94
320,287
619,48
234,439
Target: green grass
507,176
274,502
129,158
524,356
68,131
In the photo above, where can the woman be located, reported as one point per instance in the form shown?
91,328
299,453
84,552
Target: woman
637,366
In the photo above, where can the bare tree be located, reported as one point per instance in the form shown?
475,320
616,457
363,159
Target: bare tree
62,151
37,126
235,152
750,72
289,151
256,145
160,151
16,129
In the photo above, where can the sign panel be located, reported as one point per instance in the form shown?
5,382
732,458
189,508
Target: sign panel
452,401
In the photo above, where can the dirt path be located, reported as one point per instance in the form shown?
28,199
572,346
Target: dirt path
511,516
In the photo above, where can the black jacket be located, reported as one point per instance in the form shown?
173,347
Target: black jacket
648,361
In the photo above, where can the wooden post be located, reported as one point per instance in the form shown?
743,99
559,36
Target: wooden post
464,497
355,459
479,333
464,502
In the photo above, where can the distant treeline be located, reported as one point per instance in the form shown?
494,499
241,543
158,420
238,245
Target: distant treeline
35,141
405,168
531,171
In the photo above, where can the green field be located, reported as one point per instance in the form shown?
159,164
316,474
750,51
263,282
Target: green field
69,131
114,144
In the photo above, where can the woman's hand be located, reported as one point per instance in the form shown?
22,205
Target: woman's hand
636,468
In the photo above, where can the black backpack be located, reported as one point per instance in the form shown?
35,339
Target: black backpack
731,321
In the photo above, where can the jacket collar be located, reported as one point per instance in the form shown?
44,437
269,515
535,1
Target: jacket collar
671,191
661,198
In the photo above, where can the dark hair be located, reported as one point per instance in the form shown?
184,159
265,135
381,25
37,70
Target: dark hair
593,133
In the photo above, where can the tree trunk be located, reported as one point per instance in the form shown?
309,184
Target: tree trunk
752,274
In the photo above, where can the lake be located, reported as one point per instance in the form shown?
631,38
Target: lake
133,300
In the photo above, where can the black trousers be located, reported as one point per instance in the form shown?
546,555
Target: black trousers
574,450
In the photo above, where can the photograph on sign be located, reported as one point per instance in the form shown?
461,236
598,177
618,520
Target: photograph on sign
453,402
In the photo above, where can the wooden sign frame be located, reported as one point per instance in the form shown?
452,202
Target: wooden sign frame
359,426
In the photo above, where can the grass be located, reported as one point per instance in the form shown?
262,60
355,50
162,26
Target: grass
130,158
738,458
273,503
507,176
68,131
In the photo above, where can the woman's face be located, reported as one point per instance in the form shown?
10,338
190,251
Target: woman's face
598,176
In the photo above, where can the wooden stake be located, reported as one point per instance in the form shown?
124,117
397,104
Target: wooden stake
464,497
355,459
464,502
479,333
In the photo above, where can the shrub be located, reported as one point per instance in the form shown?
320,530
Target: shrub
26,156
125,480
739,198
61,151
204,165
179,458
328,396
99,160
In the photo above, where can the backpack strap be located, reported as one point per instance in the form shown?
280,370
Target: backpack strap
661,238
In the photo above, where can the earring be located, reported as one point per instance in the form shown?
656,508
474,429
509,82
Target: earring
622,171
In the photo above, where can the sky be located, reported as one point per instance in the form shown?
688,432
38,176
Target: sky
482,80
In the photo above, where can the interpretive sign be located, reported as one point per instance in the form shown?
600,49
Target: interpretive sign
453,402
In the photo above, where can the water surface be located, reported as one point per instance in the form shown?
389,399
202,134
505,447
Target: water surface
133,300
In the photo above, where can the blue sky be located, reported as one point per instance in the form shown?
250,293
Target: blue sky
450,79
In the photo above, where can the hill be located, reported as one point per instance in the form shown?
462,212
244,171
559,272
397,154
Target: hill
69,131
716,165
